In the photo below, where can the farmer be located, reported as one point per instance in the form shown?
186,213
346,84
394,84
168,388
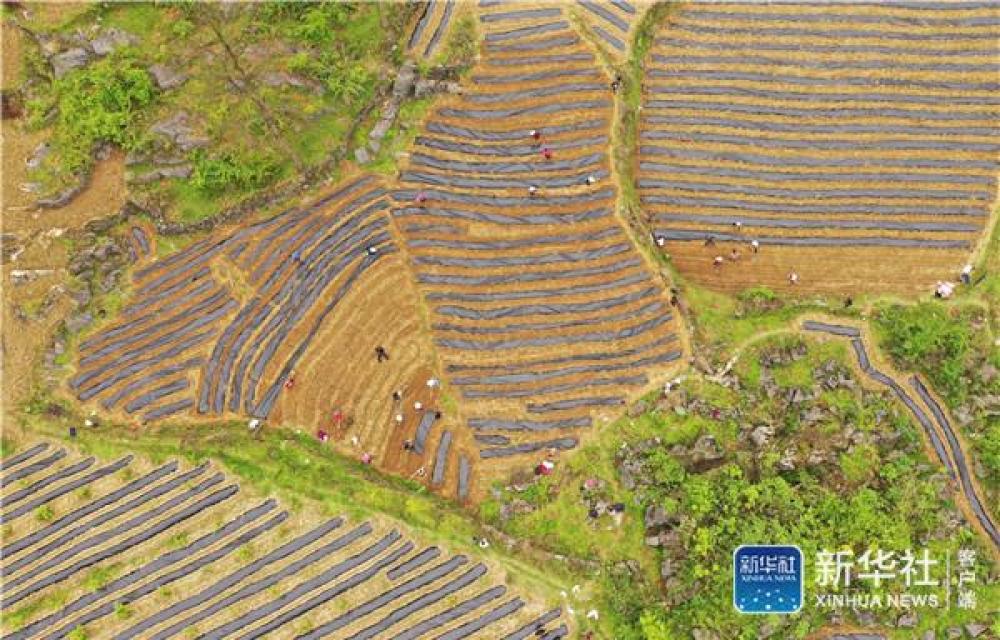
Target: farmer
338,418
717,263
322,435
591,180
793,278
535,134
966,275
848,302
366,458
660,241
397,395
420,198
709,241
372,250
407,445
532,190
290,382
754,246
418,406
738,226
734,255
547,153
381,354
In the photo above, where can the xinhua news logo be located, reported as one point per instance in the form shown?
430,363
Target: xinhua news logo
767,579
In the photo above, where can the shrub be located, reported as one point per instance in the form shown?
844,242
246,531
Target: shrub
230,171
927,338
97,104
44,513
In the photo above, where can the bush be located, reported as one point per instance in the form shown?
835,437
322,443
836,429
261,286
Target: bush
99,103
230,171
927,338
758,300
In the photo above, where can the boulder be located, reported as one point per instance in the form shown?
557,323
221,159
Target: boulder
403,85
788,460
908,620
38,155
637,409
167,77
954,633
975,629
761,436
699,633
657,517
362,156
667,569
63,63
178,131
77,322
929,635
161,173
110,39
706,449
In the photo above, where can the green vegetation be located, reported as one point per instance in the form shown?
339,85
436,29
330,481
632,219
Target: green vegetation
463,43
954,347
932,337
877,492
271,92
231,171
101,103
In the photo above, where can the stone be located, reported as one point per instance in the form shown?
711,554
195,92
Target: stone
362,156
77,322
706,449
788,460
929,635
167,78
282,79
62,198
637,409
63,63
954,633
975,629
405,79
178,131
667,569
24,276
908,620
112,38
865,618
656,517
762,435
699,633
162,173
38,155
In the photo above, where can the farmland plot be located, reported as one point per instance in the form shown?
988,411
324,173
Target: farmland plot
856,143
161,551
545,315
277,320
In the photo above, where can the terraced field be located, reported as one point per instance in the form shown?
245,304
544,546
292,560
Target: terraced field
545,315
857,143
428,36
278,320
613,22
133,550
